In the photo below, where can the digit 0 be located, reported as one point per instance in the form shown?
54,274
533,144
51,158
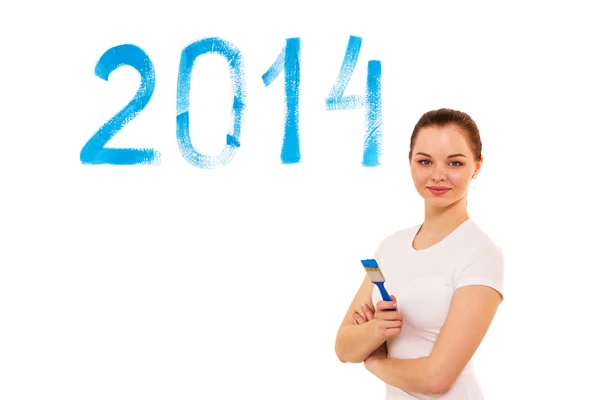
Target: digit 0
236,73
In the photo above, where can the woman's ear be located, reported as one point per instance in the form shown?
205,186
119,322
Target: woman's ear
477,167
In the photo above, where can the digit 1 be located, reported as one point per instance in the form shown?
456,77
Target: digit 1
94,151
236,74
288,61
372,146
336,100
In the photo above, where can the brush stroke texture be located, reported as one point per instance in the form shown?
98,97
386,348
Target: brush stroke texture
337,100
372,146
236,73
94,151
288,61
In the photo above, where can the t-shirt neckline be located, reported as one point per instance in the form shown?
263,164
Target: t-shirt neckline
440,243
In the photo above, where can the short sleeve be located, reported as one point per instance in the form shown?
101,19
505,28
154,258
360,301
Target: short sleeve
485,267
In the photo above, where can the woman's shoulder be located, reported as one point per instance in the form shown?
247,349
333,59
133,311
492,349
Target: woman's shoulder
480,241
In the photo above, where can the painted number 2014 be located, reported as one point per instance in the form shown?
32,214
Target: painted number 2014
288,61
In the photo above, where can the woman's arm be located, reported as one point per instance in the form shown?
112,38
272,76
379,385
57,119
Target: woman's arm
470,315
355,342
412,375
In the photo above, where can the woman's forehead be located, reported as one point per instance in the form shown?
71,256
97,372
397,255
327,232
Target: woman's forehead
446,139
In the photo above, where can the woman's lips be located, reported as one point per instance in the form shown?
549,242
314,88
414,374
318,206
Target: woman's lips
438,190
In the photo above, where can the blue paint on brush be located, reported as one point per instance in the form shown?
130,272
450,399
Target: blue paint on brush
288,61
372,263
95,150
236,74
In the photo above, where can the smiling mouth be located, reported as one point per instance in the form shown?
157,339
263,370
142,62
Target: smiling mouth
438,190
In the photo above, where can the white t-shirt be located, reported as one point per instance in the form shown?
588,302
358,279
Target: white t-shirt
423,282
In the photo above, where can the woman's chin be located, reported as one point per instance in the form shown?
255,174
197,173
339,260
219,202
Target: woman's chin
439,201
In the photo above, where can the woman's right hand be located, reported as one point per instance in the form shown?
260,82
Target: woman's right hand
389,322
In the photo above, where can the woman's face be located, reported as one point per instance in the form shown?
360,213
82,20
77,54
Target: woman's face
442,165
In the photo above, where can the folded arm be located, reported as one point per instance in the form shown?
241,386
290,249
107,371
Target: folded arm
354,343
471,313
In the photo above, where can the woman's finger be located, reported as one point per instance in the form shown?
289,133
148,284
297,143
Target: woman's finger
385,305
391,324
368,312
358,317
389,315
391,332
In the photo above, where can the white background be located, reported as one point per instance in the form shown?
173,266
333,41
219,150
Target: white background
173,282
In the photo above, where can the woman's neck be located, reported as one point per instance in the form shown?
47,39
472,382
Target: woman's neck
442,219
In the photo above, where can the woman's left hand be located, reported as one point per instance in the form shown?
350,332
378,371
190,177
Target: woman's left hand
381,352
366,315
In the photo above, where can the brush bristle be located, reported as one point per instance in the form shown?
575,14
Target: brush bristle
375,274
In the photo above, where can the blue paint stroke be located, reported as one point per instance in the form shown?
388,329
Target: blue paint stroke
275,69
288,61
335,99
94,151
236,74
372,146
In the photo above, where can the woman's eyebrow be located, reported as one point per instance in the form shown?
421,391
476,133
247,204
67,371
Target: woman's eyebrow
450,156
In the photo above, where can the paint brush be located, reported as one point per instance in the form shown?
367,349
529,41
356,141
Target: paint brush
376,276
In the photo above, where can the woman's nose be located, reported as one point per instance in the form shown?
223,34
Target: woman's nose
439,173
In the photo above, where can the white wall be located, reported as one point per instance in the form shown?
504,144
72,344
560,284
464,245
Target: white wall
173,281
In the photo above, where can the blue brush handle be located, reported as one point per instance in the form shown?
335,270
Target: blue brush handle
384,294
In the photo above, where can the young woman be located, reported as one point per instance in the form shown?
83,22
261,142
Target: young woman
445,276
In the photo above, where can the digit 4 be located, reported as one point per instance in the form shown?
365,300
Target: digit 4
337,100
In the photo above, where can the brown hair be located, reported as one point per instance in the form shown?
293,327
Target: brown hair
446,116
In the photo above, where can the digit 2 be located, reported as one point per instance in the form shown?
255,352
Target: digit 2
95,150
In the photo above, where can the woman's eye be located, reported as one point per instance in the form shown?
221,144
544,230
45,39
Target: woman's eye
452,163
